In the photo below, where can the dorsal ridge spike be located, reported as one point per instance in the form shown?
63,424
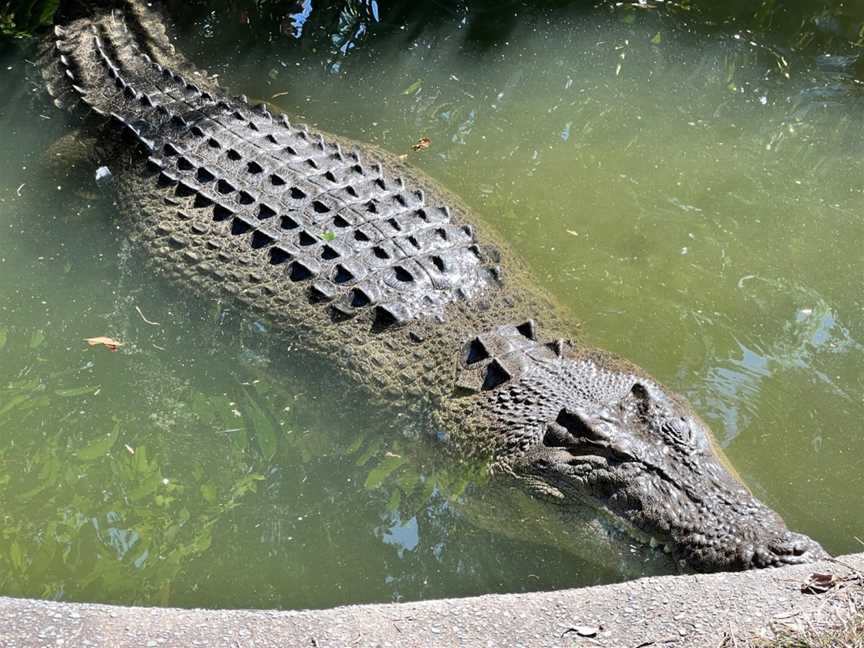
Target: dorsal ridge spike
557,347
528,328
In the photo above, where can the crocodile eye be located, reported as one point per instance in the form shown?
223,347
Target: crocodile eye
642,396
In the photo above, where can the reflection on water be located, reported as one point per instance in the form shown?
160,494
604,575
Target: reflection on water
693,195
734,386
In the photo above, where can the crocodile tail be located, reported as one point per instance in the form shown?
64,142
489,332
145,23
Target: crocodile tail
118,62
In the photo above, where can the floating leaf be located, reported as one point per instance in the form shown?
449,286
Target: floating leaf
147,487
414,87
77,391
109,343
383,470
395,498
266,434
37,339
370,451
657,39
208,492
17,556
101,446
355,446
408,480
12,403
422,144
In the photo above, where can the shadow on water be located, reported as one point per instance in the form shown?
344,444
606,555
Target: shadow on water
798,28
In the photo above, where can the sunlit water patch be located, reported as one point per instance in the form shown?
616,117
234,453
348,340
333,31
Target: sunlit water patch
693,197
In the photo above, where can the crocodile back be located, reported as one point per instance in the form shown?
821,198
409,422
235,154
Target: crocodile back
328,226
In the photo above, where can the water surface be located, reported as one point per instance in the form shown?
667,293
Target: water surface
692,195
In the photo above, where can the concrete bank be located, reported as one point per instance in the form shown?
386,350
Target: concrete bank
666,612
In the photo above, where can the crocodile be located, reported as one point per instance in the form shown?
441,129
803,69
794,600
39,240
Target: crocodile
384,274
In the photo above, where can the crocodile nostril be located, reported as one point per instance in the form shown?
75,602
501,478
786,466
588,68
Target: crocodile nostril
639,391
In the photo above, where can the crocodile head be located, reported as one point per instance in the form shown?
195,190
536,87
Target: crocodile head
583,427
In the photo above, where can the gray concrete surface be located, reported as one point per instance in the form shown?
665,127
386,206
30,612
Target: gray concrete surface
666,612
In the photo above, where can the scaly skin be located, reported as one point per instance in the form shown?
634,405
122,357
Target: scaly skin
389,281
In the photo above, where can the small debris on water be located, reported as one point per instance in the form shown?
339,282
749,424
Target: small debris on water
109,343
103,175
147,321
422,144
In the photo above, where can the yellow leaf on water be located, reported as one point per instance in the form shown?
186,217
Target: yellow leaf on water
109,343
422,144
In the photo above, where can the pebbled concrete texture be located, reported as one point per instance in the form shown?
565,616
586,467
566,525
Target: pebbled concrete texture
669,611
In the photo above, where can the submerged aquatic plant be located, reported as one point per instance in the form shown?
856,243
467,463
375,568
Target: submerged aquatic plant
21,18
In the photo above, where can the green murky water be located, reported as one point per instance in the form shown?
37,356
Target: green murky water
694,197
